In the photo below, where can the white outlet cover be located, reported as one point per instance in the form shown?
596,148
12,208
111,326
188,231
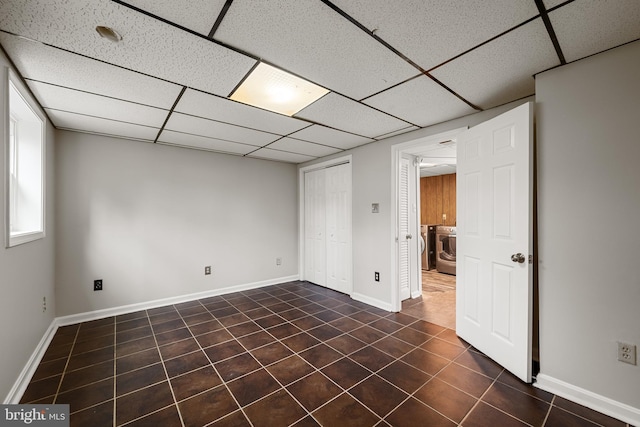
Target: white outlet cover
627,353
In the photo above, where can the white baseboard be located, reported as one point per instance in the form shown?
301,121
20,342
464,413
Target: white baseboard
416,294
124,309
19,387
621,411
372,301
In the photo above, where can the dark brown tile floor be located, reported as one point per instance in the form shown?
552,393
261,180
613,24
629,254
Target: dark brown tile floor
290,354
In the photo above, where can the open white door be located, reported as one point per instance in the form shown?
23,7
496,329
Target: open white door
494,291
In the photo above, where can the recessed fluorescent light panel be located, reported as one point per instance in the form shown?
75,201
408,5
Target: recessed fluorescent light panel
275,90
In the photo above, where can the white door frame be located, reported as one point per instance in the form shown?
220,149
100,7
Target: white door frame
411,147
301,225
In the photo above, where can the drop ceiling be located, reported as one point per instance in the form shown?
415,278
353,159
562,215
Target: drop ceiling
390,67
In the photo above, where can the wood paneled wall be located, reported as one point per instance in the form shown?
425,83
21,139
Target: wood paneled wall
438,197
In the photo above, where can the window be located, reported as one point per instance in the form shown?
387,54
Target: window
24,154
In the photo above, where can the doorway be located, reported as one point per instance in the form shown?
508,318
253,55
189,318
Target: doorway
433,297
418,149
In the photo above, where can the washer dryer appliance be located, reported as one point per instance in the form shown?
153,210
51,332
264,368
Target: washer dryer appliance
428,234
446,249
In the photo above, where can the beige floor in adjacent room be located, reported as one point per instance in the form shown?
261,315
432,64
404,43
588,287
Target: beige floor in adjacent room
438,302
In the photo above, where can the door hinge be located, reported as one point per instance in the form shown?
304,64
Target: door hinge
530,259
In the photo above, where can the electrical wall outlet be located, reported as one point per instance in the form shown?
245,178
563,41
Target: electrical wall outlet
278,261
627,353
207,270
376,276
97,285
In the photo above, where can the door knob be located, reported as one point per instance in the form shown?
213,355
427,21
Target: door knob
519,258
408,236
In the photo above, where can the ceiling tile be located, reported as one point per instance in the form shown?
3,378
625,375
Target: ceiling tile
331,137
433,31
502,70
438,170
310,39
342,113
397,132
549,4
82,123
421,101
444,157
282,156
224,110
43,63
584,28
58,98
148,45
302,147
212,129
438,150
196,15
169,137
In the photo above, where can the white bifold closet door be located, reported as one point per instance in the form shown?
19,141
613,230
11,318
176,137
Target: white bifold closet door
404,231
327,216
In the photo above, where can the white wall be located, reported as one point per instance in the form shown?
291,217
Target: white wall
589,207
371,183
147,218
26,276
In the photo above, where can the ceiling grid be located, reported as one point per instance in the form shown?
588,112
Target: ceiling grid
390,67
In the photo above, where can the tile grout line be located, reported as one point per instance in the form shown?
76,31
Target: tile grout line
315,369
346,391
544,422
297,353
451,362
396,359
224,327
64,371
165,370
585,418
115,343
479,399
502,410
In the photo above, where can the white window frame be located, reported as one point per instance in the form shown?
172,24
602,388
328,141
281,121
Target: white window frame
32,206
